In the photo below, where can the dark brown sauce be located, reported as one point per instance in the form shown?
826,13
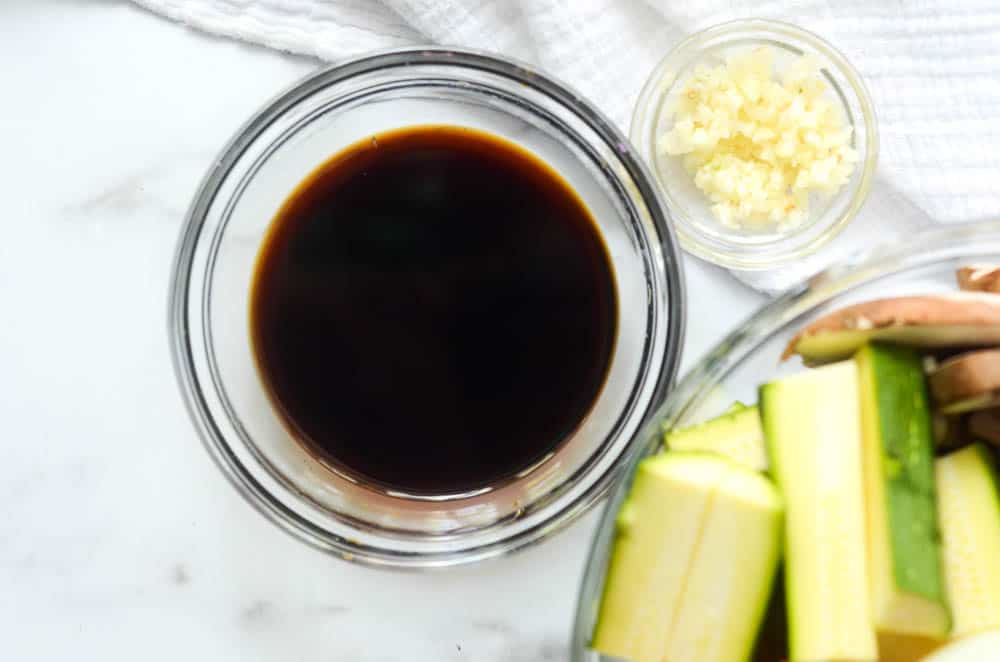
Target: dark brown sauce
433,310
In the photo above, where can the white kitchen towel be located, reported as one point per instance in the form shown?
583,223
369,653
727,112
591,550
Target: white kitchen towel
933,68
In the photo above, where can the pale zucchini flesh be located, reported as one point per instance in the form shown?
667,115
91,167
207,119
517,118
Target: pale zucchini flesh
648,563
693,562
813,432
969,515
907,589
841,344
736,434
733,572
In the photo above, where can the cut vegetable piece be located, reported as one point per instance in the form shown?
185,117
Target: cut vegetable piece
969,515
665,507
979,279
983,647
813,432
965,379
966,375
963,319
736,434
985,425
693,562
975,403
733,572
904,562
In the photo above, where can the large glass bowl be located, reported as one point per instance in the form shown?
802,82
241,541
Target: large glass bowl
751,355
232,210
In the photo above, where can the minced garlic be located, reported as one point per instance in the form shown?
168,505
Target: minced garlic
756,146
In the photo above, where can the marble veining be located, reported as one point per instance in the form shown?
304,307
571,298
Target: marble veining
139,191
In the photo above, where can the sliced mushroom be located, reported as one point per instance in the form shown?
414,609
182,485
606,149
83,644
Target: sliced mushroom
963,319
976,403
967,382
985,425
985,278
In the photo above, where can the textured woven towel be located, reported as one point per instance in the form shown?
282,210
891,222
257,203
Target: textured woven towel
933,69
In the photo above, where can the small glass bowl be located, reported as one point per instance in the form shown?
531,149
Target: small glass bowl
699,231
232,210
751,355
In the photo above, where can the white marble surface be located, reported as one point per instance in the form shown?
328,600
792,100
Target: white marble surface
118,537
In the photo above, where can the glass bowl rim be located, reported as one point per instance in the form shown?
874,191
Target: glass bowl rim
651,93
666,252
864,267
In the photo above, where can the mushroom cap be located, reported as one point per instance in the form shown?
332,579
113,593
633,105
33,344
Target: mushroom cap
985,425
979,278
961,319
965,376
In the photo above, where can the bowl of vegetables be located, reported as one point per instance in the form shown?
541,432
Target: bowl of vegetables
823,484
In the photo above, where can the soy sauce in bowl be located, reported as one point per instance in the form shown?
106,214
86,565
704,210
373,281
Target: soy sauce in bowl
433,311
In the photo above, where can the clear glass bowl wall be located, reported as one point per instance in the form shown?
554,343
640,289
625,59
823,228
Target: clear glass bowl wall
209,302
750,356
699,231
